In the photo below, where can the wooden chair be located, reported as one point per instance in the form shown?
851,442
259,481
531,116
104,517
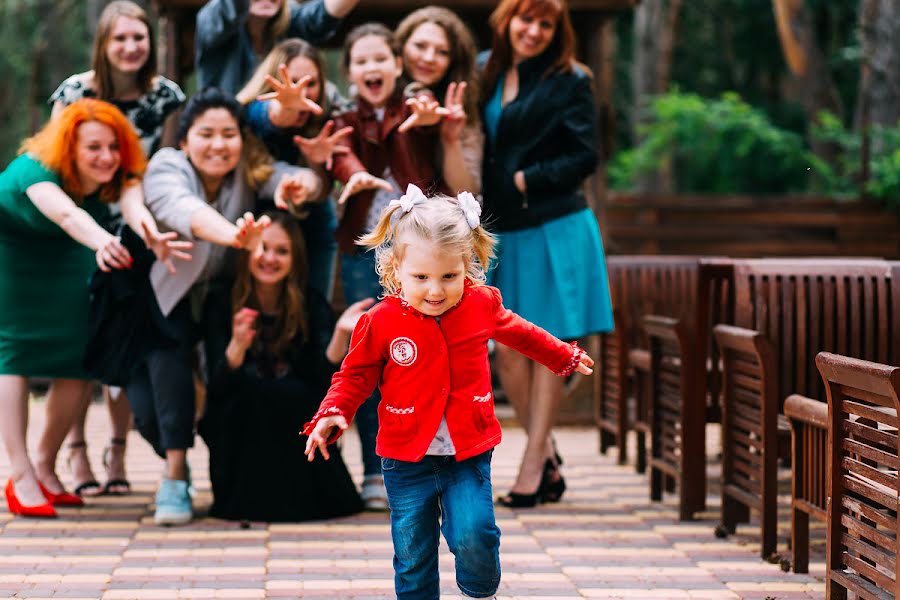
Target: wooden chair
804,306
862,464
808,420
678,423
611,390
749,432
694,289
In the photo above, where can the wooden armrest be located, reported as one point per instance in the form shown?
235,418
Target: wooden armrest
640,360
806,410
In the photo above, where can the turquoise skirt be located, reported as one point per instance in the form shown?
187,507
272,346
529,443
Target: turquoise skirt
554,275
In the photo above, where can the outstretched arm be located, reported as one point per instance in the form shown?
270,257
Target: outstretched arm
56,205
164,245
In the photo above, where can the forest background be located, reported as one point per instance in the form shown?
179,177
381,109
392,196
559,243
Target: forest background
709,96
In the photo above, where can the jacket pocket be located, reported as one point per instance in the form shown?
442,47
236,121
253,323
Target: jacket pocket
398,423
483,411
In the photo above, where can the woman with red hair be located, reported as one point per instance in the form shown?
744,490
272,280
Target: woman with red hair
541,145
54,198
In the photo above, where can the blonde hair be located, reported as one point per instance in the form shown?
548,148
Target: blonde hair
439,220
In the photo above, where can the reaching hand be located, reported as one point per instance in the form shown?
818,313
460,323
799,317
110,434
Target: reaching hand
249,234
296,189
166,246
320,434
426,111
348,319
113,255
322,148
291,95
242,331
455,121
360,181
585,363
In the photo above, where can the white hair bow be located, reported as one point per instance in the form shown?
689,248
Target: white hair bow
470,208
411,198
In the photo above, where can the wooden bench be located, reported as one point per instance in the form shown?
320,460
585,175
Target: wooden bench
695,290
677,416
802,307
749,431
808,419
862,462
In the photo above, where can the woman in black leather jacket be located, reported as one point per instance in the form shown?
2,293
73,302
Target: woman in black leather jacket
541,145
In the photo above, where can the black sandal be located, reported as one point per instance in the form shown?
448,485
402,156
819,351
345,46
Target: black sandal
91,485
115,487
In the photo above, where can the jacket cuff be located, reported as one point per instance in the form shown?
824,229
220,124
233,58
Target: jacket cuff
330,411
573,361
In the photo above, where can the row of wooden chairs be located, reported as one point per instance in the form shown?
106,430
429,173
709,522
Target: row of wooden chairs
739,337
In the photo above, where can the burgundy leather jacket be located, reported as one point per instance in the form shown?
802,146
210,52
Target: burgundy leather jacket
374,145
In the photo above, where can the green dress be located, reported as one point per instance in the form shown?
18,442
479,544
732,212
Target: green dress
44,277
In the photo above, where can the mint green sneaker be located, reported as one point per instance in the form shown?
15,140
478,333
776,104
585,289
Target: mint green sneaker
173,503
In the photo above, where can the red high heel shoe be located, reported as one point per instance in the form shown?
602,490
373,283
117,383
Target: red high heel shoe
45,510
63,498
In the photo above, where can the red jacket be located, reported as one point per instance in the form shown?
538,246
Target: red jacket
428,367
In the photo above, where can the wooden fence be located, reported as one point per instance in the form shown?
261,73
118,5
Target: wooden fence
748,226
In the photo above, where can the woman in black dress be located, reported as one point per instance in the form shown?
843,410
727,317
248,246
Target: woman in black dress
269,368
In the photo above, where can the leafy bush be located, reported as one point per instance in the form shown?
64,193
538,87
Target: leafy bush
843,177
715,146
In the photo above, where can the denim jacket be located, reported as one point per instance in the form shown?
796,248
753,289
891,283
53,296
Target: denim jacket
225,57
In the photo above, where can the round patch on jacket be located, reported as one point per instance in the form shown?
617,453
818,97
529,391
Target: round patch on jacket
404,351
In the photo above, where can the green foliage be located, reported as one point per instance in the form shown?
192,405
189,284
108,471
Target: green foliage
715,146
843,176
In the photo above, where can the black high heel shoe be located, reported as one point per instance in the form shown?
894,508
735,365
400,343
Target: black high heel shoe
551,490
515,500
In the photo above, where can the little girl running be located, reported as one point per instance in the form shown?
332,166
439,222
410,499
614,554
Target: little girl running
425,346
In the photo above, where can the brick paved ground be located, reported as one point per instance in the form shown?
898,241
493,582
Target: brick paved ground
605,540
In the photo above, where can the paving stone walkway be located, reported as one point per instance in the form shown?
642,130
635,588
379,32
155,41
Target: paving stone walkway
604,540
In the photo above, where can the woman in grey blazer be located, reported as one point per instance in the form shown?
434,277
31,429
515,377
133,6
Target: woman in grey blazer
205,191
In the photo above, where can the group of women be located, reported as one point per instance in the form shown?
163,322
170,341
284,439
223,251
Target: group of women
236,204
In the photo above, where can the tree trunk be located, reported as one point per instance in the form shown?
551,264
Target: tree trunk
814,85
655,26
879,25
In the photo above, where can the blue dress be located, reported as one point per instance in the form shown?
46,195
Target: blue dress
553,274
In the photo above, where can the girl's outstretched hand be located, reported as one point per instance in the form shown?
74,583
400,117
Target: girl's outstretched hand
455,121
320,434
113,255
249,234
295,189
585,363
322,148
360,181
166,246
425,111
291,95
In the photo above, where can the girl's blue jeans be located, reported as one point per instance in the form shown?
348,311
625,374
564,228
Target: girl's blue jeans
439,494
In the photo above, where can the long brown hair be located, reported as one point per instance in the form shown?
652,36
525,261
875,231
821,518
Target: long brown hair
54,146
561,48
103,80
462,52
291,319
